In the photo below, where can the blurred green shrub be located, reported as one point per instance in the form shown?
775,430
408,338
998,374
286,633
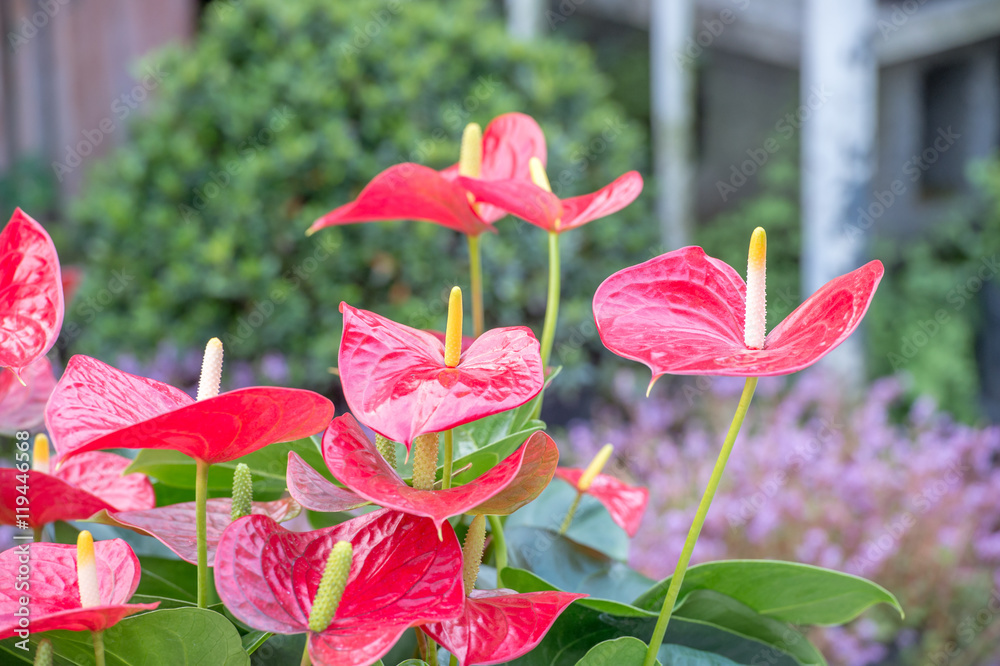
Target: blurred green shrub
280,112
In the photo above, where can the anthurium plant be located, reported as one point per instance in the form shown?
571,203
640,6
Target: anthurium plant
441,528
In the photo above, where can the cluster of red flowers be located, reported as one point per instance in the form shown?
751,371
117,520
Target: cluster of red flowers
682,312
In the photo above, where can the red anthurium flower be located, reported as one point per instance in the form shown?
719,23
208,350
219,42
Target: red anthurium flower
313,491
497,626
414,192
22,406
79,488
540,207
54,597
31,294
353,459
686,313
95,406
400,575
625,503
174,525
396,381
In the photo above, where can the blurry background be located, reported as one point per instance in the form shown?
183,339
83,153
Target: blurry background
178,150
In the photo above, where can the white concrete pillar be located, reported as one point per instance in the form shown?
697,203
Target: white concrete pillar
839,93
672,108
525,18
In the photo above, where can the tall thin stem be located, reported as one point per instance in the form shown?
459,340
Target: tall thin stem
39,533
98,647
699,520
201,527
449,453
306,660
499,547
476,281
568,520
551,309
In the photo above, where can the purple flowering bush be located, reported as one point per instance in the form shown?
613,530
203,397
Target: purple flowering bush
898,493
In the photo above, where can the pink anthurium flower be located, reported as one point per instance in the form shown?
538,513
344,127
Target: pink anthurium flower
497,626
624,503
31,293
55,593
397,383
399,575
414,192
79,488
540,207
22,406
174,525
95,406
354,461
685,313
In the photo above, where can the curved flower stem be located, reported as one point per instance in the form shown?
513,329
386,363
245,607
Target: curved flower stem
476,280
39,533
699,520
449,452
201,527
98,647
499,547
569,514
306,661
551,309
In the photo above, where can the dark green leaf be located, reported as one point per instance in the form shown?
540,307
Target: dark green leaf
170,578
624,651
254,639
787,591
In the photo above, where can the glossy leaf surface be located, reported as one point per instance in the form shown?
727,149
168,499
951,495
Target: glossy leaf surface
31,293
54,602
683,313
79,488
402,575
174,526
787,591
396,382
499,625
22,406
95,406
624,503
355,462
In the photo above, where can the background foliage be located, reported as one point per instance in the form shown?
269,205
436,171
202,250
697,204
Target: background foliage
282,111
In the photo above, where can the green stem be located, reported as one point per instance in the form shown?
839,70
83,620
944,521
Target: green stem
499,547
699,520
98,647
201,526
306,661
449,452
551,309
453,661
569,514
476,279
39,533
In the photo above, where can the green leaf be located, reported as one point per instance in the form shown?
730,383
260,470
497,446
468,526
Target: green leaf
254,640
718,609
525,581
158,638
572,566
173,579
798,593
592,525
267,465
624,651
678,655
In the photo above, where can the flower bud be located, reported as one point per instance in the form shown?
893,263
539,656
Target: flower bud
387,448
86,570
211,370
425,460
331,586
472,552
43,655
242,492
40,457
